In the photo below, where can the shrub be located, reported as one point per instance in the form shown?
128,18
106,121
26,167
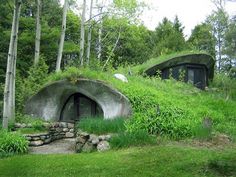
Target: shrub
26,87
226,86
101,126
127,139
12,143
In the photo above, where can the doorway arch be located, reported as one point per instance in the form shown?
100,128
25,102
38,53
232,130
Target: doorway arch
79,106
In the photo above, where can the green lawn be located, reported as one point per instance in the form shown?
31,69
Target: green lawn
163,160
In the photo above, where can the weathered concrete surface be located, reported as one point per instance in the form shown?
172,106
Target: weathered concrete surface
49,101
63,146
197,59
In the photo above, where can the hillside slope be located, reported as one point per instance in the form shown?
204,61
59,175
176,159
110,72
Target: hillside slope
165,107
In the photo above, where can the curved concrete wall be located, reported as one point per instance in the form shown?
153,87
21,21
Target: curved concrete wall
49,101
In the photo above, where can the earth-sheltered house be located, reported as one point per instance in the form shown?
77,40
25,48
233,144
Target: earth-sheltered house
66,101
196,68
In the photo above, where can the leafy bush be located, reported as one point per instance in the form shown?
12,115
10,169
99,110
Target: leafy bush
127,139
26,87
101,126
12,143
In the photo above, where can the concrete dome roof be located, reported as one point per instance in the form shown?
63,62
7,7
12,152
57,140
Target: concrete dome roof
49,101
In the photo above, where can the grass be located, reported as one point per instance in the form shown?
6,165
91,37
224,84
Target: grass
100,126
32,130
149,161
181,106
154,61
224,165
129,139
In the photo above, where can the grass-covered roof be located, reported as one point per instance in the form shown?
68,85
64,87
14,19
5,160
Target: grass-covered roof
182,107
191,57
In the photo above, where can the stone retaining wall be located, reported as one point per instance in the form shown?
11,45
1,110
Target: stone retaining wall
86,142
56,130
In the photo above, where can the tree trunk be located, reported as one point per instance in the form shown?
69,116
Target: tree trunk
9,95
89,32
82,35
112,51
99,53
38,33
62,39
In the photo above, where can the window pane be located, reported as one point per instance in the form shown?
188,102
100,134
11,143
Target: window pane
191,76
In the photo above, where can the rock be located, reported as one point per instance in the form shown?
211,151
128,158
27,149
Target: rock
48,140
28,138
103,146
80,140
17,125
23,125
71,130
88,147
70,125
102,137
79,147
207,123
93,139
36,143
29,125
69,135
43,137
65,129
121,77
46,125
107,137
36,138
63,124
84,135
55,124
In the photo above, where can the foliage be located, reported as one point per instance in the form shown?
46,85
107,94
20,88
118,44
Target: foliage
26,87
230,45
218,21
226,86
101,126
12,143
128,139
36,123
168,38
202,39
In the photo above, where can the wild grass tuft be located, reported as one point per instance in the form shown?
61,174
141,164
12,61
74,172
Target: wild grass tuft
99,125
12,143
128,139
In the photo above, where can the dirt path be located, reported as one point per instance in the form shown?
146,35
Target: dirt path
63,146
